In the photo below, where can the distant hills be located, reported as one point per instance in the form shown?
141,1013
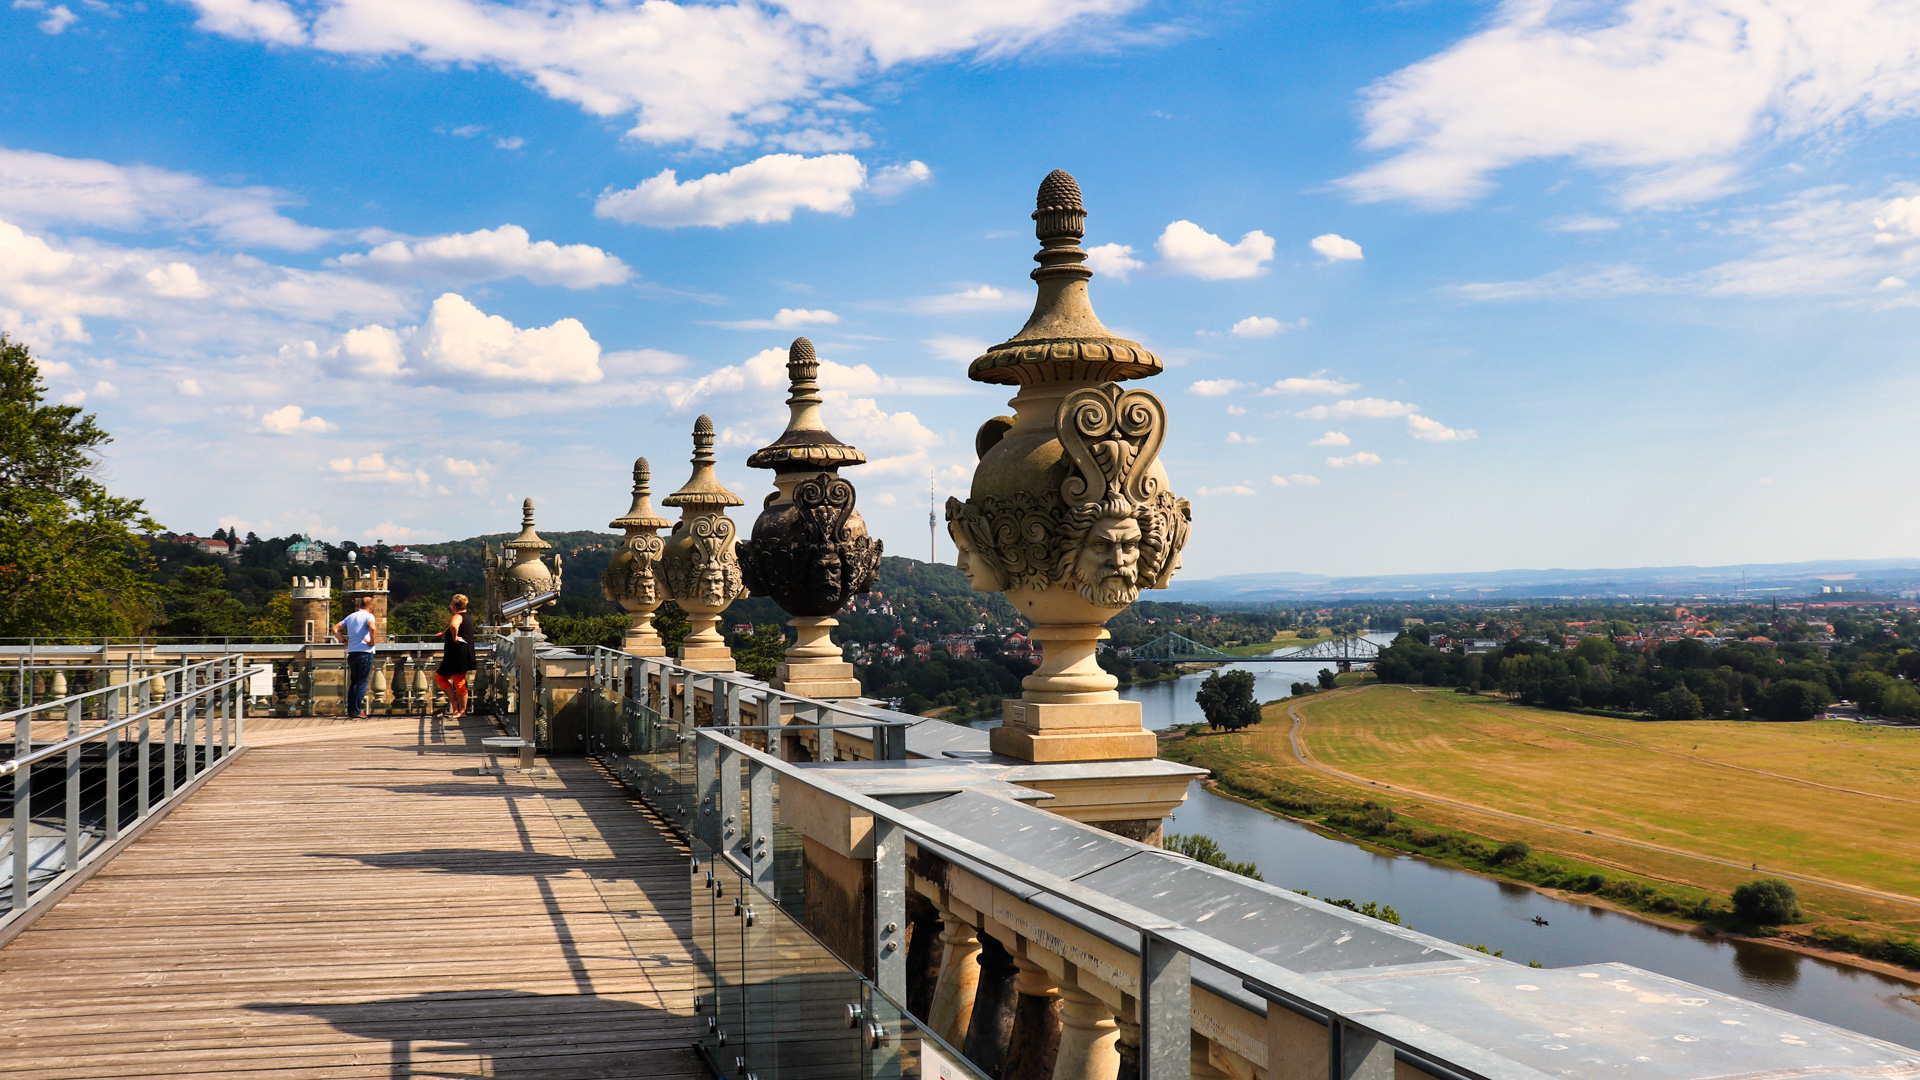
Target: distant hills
1762,581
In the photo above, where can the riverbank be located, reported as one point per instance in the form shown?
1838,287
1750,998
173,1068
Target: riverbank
1362,814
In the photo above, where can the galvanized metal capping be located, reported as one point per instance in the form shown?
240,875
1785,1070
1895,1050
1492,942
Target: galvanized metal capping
1166,1010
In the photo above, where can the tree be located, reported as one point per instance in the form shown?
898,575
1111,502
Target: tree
70,561
1326,676
1678,703
1226,699
760,653
1766,902
1795,699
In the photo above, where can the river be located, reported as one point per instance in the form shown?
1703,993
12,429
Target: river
1473,910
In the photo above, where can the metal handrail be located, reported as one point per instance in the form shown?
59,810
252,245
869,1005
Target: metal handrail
188,715
600,654
11,765
64,702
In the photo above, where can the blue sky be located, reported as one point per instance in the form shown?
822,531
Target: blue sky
1440,286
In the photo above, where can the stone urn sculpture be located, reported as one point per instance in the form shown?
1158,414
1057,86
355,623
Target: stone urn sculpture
628,579
699,566
1070,514
810,550
517,571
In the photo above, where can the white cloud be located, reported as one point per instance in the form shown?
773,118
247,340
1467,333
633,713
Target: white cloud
1236,437
510,142
105,389
1292,479
1332,438
892,180
269,21
462,467
487,255
1186,248
973,298
59,16
1890,283
45,189
1671,95
1113,260
1215,387
1353,460
785,319
189,388
959,350
1259,326
1235,410
766,189
1336,248
1316,385
1421,427
714,75
1585,223
1230,489
374,468
463,347
1820,242
1364,408
177,302
641,362
287,420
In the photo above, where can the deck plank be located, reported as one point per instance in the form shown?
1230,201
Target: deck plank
361,900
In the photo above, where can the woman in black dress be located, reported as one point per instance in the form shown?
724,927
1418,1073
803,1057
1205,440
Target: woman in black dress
456,657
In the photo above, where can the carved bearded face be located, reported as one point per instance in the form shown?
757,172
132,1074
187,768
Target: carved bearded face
713,584
1107,567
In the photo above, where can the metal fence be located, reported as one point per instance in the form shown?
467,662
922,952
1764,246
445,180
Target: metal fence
775,1001
76,792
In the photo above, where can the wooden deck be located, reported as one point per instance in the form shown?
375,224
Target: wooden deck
359,900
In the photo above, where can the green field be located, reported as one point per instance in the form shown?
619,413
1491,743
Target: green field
1829,800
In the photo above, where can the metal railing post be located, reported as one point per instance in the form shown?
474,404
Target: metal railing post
238,737
72,858
124,697
890,909
1356,1055
526,697
1166,1011
687,711
759,831
706,791
730,831
145,767
824,748
22,810
169,722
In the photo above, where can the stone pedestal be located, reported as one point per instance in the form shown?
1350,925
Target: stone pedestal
813,667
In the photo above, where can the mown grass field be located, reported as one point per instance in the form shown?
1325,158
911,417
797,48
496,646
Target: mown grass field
1829,799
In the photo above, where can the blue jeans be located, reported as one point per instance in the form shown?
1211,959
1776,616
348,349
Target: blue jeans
359,673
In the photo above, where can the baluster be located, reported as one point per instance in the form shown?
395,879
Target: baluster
72,859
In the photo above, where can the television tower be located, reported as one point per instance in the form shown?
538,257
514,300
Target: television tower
932,557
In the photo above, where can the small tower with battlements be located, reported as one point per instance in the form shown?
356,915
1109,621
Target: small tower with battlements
312,607
359,581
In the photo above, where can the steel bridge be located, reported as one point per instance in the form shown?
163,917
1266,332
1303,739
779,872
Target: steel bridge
1344,651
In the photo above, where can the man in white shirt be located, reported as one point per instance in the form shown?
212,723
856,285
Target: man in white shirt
359,633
